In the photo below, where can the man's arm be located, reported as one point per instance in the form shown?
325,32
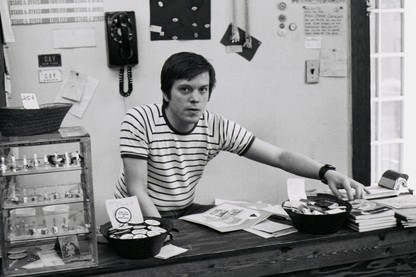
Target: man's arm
135,176
301,165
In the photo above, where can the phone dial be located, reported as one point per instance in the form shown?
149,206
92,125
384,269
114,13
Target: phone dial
122,45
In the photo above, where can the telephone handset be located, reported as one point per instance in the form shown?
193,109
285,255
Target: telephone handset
122,45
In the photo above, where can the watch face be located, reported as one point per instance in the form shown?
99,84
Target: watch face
330,166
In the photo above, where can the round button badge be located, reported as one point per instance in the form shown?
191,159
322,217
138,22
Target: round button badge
123,215
281,6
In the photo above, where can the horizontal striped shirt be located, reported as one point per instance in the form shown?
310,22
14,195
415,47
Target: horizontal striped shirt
175,161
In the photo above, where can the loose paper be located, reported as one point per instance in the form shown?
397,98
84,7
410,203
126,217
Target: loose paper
50,258
74,85
169,251
333,63
29,101
277,210
296,189
313,42
78,108
269,226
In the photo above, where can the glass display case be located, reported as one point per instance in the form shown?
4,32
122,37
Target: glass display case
47,206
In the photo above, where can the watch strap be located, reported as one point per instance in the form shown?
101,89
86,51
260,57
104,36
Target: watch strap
323,170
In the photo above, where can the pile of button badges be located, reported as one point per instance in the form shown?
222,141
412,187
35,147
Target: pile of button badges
149,228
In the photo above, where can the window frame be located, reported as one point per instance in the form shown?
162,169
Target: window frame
360,92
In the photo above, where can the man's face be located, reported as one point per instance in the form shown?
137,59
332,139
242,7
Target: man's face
188,100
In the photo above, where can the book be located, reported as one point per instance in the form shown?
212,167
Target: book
401,202
406,217
367,209
228,217
370,223
372,227
409,214
367,215
376,192
366,222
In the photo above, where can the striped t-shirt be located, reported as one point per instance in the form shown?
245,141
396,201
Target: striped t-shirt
175,161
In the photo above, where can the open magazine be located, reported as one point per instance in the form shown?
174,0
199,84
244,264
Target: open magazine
228,217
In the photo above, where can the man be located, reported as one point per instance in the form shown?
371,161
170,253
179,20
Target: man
165,148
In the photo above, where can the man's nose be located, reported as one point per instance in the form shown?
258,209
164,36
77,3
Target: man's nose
194,97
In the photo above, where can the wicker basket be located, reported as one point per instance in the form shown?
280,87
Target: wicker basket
18,121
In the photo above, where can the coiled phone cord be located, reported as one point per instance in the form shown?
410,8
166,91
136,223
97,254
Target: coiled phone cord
129,81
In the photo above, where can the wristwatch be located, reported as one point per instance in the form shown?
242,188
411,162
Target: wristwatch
323,170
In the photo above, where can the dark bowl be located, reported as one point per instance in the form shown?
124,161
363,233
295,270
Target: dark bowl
320,224
138,248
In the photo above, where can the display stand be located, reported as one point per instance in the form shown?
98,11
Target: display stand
47,205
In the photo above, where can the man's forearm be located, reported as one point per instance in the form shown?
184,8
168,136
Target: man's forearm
300,165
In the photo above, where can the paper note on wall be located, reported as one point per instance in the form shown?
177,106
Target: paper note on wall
74,85
74,38
324,20
79,107
333,63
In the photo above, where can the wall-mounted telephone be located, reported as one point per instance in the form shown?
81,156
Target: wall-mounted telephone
122,45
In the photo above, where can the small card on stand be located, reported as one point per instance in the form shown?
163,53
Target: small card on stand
69,246
124,210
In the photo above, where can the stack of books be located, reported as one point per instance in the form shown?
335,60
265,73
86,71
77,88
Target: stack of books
406,217
367,215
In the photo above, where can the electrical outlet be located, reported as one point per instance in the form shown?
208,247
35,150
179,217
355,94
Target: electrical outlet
312,71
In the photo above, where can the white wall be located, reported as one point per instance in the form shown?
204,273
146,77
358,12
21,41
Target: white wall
267,95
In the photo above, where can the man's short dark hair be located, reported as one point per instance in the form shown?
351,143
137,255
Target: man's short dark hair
185,65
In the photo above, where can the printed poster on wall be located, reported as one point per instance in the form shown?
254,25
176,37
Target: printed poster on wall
24,12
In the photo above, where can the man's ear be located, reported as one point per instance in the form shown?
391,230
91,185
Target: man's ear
165,97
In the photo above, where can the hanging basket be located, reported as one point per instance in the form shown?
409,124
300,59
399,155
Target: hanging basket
18,121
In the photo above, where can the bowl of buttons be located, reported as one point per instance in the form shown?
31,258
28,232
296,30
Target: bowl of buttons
138,240
321,214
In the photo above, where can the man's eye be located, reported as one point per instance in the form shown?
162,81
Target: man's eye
203,90
185,89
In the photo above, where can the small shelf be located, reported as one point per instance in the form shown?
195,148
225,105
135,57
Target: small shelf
42,215
45,203
39,237
40,170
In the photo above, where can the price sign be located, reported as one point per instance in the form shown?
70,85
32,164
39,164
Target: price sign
29,101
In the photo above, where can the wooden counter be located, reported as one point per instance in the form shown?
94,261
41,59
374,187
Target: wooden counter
391,252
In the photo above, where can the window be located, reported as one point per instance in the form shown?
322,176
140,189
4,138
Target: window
387,90
392,87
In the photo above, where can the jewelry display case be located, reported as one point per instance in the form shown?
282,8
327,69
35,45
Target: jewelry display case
47,219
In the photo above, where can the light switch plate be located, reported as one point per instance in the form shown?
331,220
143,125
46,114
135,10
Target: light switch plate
312,71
